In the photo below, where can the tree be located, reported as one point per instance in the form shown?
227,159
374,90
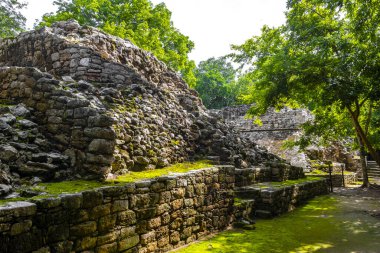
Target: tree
216,83
11,20
325,58
149,27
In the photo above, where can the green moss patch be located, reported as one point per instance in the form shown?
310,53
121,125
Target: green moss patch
321,172
176,168
326,224
55,188
267,185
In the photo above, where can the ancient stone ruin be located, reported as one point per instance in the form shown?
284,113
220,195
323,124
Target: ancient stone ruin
76,103
283,125
79,103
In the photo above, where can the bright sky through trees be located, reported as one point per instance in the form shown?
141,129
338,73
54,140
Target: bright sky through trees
212,24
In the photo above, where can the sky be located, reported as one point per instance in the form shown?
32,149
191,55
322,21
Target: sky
213,25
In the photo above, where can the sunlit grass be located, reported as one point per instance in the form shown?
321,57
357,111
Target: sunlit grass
176,168
320,226
268,185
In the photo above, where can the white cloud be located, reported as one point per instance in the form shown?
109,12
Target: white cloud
212,24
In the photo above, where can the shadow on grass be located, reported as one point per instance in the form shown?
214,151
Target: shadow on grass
323,225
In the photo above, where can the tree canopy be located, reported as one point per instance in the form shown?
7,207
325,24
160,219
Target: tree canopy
217,83
11,20
149,27
326,58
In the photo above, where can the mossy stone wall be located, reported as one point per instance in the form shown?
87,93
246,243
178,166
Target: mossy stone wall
156,215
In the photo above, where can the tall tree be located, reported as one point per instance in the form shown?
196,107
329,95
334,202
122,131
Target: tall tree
325,58
149,27
216,83
11,20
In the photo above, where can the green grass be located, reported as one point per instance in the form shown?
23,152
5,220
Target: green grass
55,188
321,172
176,168
322,225
238,201
286,183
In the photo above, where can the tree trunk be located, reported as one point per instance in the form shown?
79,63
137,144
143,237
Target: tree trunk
364,164
363,138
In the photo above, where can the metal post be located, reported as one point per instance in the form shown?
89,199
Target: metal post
343,181
330,172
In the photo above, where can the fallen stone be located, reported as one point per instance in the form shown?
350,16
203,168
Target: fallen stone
8,153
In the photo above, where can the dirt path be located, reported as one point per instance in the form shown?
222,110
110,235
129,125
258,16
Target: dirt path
360,200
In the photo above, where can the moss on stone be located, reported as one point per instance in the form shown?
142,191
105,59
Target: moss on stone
176,168
55,188
174,142
238,201
321,172
268,185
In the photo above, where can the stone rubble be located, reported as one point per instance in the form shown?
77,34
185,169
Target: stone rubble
78,103
285,124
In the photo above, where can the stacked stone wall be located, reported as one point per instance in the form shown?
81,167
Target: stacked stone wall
339,180
273,202
86,53
76,125
149,216
110,106
276,125
272,173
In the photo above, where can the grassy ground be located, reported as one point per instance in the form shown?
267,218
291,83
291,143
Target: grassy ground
332,223
56,188
274,185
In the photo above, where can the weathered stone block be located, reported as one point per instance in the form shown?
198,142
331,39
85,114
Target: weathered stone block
106,223
154,223
107,248
99,211
18,209
128,243
175,237
148,237
119,205
57,233
22,227
72,201
86,243
101,146
127,217
92,199
83,229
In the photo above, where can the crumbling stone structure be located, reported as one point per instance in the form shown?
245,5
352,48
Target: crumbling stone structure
78,103
283,125
155,215
97,105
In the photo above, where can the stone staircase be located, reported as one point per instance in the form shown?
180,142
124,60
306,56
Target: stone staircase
373,172
270,199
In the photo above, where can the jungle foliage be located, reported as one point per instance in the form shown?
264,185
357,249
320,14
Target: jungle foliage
326,58
218,83
11,20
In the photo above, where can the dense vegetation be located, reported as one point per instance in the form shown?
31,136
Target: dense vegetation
324,58
218,83
148,26
11,20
